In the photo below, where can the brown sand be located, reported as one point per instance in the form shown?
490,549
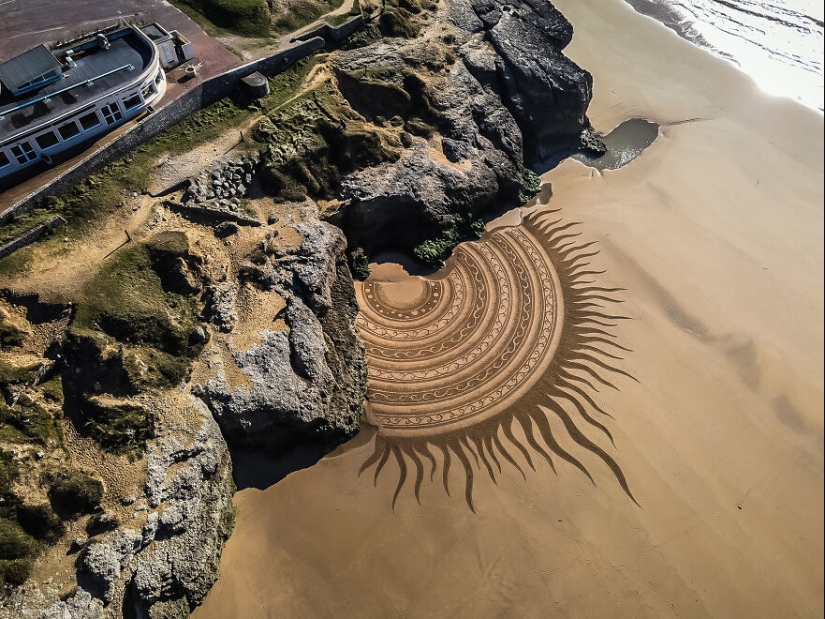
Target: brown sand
716,232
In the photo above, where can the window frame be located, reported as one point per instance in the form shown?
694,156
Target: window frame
48,134
71,123
94,114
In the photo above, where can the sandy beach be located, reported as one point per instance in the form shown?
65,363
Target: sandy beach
716,233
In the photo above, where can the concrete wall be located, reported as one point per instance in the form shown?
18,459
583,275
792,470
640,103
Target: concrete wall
27,238
201,96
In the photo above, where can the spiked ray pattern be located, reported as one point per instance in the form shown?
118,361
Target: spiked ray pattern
470,366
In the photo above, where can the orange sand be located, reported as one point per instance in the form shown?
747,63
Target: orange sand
717,233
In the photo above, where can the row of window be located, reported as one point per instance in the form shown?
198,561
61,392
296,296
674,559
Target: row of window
111,113
24,152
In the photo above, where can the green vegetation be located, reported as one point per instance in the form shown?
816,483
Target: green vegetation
398,23
344,17
120,427
9,335
530,186
27,422
359,264
75,493
314,140
23,529
52,389
127,301
41,522
434,252
245,17
300,13
142,301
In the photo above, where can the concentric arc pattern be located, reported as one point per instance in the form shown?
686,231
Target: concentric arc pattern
512,331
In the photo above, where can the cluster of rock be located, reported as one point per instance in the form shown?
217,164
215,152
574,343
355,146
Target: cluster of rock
163,562
223,186
306,382
501,94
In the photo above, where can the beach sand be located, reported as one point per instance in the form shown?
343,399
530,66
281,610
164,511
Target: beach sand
716,232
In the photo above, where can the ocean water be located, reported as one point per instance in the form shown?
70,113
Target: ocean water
777,42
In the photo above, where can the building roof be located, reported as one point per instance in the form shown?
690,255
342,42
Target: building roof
26,67
97,72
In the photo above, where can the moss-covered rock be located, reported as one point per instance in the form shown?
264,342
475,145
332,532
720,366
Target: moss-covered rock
75,493
9,335
312,142
119,426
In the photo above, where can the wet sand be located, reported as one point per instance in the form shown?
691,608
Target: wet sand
716,233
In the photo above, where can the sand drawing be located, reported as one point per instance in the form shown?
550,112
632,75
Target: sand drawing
513,330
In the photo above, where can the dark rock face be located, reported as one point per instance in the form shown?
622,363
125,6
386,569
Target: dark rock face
497,90
305,383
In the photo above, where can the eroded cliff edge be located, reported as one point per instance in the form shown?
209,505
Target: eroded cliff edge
227,316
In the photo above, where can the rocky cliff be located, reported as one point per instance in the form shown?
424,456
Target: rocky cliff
488,80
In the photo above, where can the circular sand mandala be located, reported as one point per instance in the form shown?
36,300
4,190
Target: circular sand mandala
455,351
450,356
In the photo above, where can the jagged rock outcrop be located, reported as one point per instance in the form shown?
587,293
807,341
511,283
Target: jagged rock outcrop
304,380
162,562
497,90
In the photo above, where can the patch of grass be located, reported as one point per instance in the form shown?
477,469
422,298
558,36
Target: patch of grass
75,493
313,141
434,252
27,422
52,389
41,522
17,548
120,427
530,186
370,33
398,23
127,301
359,264
302,13
245,17
285,85
9,335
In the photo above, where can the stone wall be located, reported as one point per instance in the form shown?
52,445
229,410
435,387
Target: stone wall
200,96
27,238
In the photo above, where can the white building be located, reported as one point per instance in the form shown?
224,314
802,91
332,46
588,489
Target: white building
54,100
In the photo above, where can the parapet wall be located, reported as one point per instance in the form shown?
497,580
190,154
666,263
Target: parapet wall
199,97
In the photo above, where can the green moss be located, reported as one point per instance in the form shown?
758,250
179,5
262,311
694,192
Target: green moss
27,422
370,33
530,185
398,23
120,427
9,335
304,12
127,301
15,573
244,17
52,389
434,252
359,264
41,522
75,493
313,141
